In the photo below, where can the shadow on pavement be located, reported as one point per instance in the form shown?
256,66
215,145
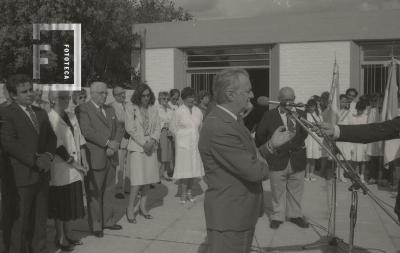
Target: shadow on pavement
321,245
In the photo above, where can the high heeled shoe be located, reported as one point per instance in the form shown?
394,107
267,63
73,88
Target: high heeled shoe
131,220
146,216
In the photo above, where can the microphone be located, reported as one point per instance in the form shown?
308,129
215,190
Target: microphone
264,101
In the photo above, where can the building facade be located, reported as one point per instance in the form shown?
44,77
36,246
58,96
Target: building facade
277,50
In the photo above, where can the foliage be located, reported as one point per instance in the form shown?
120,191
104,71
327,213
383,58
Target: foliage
106,31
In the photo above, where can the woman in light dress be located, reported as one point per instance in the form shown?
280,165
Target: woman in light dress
345,116
142,123
165,151
313,149
359,152
375,149
186,124
68,170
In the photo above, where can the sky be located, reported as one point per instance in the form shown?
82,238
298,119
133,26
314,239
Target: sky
212,9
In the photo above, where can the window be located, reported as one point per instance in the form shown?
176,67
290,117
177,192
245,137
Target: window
223,57
374,64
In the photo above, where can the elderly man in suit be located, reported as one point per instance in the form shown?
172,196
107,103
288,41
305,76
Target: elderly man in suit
367,133
287,164
234,168
29,144
103,134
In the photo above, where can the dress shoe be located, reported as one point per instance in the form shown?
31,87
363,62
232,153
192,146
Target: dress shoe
68,247
74,242
119,195
98,234
300,221
113,227
275,224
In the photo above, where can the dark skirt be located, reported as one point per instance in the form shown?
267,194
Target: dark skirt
66,202
166,149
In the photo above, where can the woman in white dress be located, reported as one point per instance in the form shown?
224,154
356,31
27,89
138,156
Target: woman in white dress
375,149
186,124
359,154
346,148
142,123
313,149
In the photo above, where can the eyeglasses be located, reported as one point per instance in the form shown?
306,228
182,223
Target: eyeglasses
82,97
102,92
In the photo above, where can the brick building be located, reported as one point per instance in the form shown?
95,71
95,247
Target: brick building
277,50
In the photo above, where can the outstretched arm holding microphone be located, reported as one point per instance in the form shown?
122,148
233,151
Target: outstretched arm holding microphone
366,133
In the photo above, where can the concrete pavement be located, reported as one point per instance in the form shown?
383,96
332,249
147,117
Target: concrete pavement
180,228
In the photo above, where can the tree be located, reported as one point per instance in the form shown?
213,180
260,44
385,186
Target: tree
106,31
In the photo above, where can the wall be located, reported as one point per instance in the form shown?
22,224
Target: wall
307,67
159,64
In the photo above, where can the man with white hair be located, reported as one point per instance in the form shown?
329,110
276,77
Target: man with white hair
287,163
234,168
103,134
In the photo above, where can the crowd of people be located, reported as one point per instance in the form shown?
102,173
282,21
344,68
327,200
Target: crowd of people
367,159
74,144
58,151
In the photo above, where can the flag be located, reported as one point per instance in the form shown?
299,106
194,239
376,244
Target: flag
390,110
332,113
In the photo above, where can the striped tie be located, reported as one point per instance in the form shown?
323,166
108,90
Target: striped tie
34,120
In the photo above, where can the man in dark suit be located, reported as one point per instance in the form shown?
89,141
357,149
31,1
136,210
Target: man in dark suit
367,133
287,164
103,134
29,144
8,188
234,168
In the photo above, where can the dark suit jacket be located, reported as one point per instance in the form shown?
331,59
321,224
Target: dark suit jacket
294,150
97,130
21,142
366,133
233,173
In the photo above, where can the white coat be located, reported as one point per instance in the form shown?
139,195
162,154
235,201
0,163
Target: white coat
186,128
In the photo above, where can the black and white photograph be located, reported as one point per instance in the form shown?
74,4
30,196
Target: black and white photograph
199,126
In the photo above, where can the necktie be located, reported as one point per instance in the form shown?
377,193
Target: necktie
290,124
102,112
34,120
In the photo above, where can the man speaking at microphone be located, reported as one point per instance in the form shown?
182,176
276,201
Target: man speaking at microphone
287,163
233,166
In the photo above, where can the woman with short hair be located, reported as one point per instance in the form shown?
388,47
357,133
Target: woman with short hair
186,124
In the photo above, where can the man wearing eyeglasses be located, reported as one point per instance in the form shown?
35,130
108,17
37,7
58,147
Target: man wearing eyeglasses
287,163
103,134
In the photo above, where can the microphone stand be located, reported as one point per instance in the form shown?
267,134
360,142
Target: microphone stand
334,152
